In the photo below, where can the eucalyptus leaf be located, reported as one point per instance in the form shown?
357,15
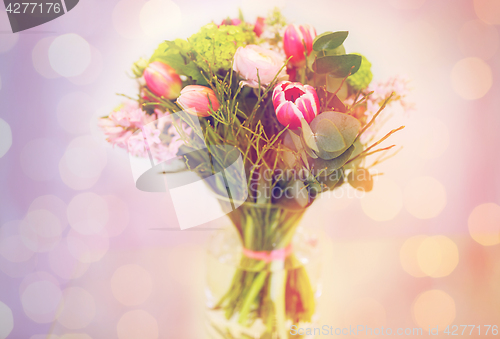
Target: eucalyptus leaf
308,135
333,179
328,137
309,151
298,145
328,166
338,66
358,148
346,124
329,40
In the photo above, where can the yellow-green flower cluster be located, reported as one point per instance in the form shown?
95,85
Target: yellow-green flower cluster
362,78
215,46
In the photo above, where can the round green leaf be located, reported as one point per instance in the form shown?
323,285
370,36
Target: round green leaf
328,136
347,125
326,167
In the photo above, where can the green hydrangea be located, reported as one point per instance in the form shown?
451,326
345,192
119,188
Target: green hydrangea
275,18
215,46
362,78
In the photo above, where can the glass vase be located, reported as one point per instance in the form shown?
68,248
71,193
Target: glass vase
263,278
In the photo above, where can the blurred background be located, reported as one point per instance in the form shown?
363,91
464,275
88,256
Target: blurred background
85,255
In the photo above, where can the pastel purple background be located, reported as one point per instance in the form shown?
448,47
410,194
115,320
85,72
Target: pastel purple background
76,238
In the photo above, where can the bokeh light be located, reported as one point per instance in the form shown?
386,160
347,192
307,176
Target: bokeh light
160,17
63,264
88,213
87,248
78,309
40,58
118,215
12,248
126,18
18,269
434,256
7,40
471,78
69,55
477,39
40,301
384,202
484,224
437,256
39,159
131,285
92,72
137,324
408,256
488,11
52,204
74,110
82,163
432,138
42,230
6,321
424,197
434,308
5,137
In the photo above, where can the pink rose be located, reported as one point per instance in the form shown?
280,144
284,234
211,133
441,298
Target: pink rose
253,62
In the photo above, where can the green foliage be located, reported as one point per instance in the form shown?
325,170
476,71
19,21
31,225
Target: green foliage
328,166
362,78
338,66
177,54
329,137
328,140
214,47
329,41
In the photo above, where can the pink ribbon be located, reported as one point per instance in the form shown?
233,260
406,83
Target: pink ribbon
269,256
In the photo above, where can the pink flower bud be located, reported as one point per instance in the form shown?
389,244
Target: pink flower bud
293,42
197,100
231,22
162,80
293,101
258,28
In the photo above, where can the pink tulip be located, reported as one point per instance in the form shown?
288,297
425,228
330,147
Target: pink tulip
162,80
197,100
258,28
293,101
293,42
257,65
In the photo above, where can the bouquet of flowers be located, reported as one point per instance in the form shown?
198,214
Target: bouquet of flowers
284,114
